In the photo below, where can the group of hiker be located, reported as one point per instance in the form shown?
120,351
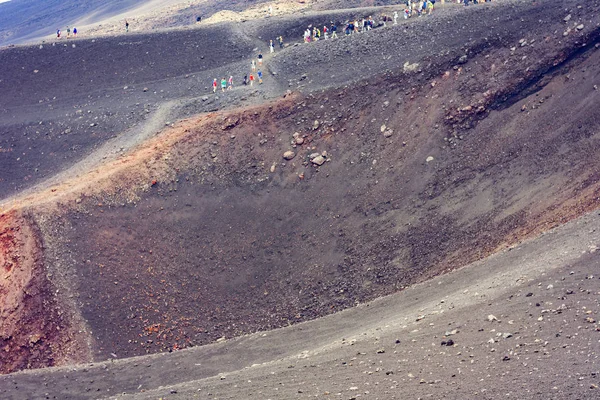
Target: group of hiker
59,33
313,33
249,79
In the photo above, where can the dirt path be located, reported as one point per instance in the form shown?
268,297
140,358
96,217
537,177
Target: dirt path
107,152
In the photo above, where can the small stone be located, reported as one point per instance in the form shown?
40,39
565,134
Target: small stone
288,155
145,89
388,133
319,160
299,140
549,287
429,159
506,335
380,351
505,358
579,27
383,128
567,18
463,59
492,318
316,125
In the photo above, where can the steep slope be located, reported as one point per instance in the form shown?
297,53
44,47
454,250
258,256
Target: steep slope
521,325
423,162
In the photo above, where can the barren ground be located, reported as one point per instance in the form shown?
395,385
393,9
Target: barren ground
147,215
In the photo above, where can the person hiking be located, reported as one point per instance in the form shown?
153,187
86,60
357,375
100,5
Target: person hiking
215,85
395,17
68,32
349,28
333,30
230,83
280,40
429,7
325,32
223,84
271,46
74,32
251,79
58,33
126,26
253,65
245,80
260,59
259,73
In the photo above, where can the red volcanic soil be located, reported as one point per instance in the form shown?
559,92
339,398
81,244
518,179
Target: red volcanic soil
35,332
292,205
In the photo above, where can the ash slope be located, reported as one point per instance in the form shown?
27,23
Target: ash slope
520,322
453,176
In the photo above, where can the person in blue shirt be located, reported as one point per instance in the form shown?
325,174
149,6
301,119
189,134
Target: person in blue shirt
259,73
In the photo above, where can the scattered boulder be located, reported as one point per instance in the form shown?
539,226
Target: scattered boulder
288,155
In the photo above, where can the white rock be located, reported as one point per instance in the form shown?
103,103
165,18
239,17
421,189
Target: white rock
492,318
319,160
288,155
429,159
